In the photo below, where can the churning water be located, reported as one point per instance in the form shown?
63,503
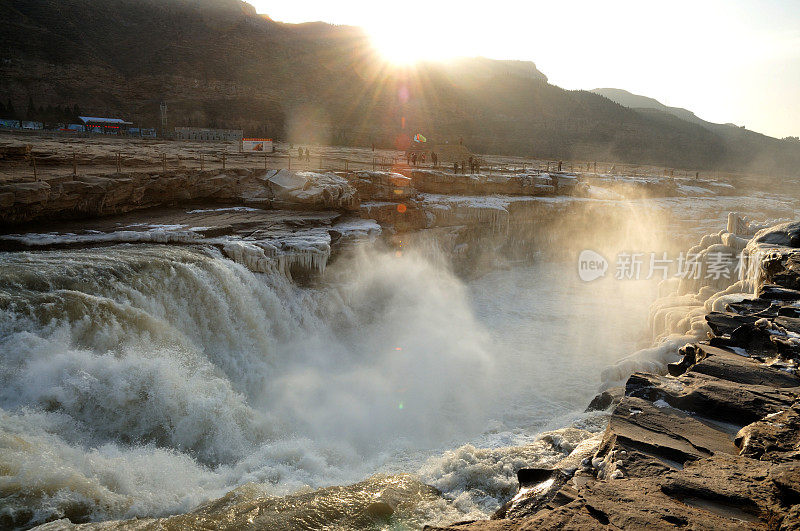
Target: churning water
144,380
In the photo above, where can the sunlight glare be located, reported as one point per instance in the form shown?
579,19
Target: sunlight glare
402,48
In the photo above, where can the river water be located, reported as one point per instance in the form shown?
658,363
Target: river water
142,380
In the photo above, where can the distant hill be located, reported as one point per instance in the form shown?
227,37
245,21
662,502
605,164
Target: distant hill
740,142
217,63
635,101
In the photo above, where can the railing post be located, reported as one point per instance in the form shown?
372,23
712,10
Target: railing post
74,164
35,173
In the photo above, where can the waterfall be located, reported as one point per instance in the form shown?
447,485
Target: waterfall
122,364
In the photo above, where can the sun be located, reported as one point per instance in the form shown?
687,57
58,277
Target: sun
397,49
403,49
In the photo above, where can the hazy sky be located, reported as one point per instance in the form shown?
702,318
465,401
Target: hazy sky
728,61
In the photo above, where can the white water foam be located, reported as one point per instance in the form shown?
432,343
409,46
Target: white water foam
140,381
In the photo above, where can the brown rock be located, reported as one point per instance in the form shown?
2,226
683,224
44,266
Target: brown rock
382,186
775,437
712,397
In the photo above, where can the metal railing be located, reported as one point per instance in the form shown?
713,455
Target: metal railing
122,161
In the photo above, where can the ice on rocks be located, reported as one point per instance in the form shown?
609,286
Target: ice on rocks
677,317
321,190
155,235
453,210
309,252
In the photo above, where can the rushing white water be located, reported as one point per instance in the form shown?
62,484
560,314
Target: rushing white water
142,380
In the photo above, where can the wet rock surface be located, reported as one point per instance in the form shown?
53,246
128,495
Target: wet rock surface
713,444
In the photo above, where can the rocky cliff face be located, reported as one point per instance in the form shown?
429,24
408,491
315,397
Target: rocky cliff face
92,196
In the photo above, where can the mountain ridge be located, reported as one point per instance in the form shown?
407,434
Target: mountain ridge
216,63
637,101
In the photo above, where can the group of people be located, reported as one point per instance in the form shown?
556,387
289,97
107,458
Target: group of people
474,166
413,158
304,154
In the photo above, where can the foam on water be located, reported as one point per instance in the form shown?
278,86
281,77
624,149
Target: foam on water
142,380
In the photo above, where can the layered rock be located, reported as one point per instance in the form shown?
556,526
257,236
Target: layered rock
311,189
92,196
382,185
531,184
295,243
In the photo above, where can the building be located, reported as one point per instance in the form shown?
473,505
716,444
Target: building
208,135
108,126
142,132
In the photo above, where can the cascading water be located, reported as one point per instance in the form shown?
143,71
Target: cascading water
142,380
